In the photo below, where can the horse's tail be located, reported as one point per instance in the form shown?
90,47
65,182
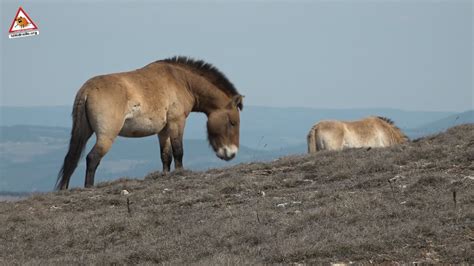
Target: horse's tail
311,139
81,131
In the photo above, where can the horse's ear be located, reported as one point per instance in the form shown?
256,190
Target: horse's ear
237,101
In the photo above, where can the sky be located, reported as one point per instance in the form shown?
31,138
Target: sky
411,55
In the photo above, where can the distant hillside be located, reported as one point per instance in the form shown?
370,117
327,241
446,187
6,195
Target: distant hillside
13,196
447,122
407,204
60,116
263,128
29,133
31,156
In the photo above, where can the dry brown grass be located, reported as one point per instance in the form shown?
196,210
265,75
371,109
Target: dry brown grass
378,205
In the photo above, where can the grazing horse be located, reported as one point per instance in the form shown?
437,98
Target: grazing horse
369,132
155,99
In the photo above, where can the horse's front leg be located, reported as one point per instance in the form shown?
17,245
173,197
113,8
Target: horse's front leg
176,131
165,150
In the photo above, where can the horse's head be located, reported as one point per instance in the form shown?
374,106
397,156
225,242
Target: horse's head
223,129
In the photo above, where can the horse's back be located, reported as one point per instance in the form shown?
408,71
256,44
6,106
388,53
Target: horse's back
139,85
368,132
131,104
337,135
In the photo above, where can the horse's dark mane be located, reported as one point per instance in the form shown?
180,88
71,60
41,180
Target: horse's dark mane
206,70
390,122
386,119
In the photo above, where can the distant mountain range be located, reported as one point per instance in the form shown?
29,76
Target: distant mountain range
30,157
33,141
262,127
447,122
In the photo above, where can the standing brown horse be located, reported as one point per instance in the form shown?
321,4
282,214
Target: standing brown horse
369,132
155,99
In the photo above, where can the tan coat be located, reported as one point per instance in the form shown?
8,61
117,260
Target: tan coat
369,132
153,100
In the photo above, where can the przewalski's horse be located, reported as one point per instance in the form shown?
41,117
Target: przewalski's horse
368,132
155,99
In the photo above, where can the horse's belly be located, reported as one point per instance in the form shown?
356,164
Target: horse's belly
141,127
357,142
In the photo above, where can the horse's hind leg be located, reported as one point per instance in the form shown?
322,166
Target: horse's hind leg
106,110
105,136
101,147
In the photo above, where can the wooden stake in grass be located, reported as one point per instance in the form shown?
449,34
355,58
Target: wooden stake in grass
454,198
128,207
391,188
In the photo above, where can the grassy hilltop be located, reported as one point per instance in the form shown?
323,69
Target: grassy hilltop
409,203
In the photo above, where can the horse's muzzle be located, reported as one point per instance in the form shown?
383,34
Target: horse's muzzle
227,152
